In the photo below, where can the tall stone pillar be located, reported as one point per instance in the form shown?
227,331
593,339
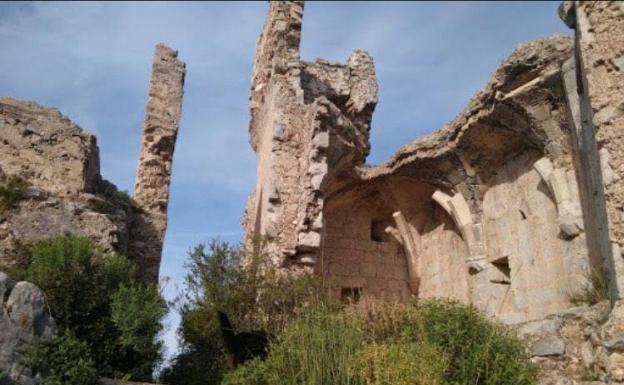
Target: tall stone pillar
153,176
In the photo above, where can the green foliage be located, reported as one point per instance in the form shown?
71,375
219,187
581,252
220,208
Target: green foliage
317,348
479,351
136,311
62,360
194,365
401,363
98,299
254,372
122,196
101,206
436,342
597,290
247,287
11,191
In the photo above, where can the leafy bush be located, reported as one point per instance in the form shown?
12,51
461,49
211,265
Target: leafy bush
62,360
319,347
436,342
479,351
136,311
401,363
11,192
246,286
99,300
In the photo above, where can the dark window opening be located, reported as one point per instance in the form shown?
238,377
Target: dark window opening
502,265
350,294
378,231
523,215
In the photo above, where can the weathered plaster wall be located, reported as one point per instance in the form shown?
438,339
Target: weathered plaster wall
534,265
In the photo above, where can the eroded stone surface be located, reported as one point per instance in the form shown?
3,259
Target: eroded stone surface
66,193
599,31
23,316
153,177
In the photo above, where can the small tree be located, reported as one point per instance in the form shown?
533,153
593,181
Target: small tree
245,285
99,301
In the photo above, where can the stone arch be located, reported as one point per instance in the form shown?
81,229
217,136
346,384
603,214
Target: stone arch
421,252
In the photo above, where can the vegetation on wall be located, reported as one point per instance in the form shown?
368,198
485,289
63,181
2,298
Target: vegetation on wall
100,307
11,191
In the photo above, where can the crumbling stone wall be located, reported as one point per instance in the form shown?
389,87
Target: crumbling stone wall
153,176
66,194
358,253
309,125
500,218
580,345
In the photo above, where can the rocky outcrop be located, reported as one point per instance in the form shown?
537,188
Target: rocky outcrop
59,162
23,316
581,345
153,176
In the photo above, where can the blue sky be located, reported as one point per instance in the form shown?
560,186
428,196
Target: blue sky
92,61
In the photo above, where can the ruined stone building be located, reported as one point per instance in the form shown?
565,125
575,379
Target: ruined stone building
66,193
510,206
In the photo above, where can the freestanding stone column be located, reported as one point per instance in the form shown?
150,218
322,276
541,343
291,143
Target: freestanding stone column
160,129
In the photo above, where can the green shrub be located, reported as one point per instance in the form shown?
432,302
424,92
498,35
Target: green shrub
246,286
86,292
401,363
11,191
254,372
122,196
62,360
318,348
136,311
479,351
435,342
